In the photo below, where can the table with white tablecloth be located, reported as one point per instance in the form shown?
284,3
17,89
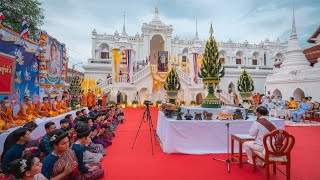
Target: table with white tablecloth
214,111
201,136
40,130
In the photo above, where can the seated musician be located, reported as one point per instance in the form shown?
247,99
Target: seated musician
292,103
6,114
45,108
259,129
27,111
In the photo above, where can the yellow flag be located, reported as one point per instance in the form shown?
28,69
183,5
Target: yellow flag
116,62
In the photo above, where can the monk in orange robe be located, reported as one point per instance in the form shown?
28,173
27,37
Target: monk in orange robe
91,99
27,111
104,100
56,107
64,106
44,108
84,100
7,115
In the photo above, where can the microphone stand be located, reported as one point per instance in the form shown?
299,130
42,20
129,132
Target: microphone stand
228,154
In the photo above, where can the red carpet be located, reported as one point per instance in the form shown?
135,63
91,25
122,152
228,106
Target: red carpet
123,163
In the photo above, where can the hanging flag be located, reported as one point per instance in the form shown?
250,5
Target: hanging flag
128,63
195,65
1,17
24,27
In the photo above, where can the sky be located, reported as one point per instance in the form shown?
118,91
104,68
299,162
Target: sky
72,21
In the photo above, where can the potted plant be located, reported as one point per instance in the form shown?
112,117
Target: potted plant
123,104
135,103
192,103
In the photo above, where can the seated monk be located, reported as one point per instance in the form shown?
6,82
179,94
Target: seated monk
6,116
44,109
292,103
104,100
64,105
84,100
56,107
27,111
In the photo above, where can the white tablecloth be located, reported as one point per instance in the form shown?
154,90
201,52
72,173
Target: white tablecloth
40,130
225,109
201,136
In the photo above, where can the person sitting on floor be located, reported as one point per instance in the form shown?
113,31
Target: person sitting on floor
31,146
64,105
61,163
27,111
26,168
7,114
56,107
44,108
44,146
78,115
258,130
88,171
303,108
17,150
91,113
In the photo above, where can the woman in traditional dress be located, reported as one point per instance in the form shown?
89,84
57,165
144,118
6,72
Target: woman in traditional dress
26,168
86,171
61,163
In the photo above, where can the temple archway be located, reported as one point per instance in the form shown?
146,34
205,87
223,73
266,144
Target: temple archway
156,45
277,93
298,94
199,98
231,88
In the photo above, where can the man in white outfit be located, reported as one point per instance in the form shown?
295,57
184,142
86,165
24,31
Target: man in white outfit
258,130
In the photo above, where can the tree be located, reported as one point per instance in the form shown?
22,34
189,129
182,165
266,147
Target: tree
14,10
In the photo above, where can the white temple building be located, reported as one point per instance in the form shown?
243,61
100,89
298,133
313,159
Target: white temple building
295,77
259,59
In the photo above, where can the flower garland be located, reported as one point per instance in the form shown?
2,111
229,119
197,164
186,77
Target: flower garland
157,83
42,60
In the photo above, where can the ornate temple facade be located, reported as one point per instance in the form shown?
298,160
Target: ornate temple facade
140,74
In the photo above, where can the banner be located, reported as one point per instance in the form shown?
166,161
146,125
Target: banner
7,71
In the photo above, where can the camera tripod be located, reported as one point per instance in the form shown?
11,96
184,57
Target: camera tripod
151,129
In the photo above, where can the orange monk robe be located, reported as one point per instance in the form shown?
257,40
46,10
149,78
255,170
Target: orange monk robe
59,107
64,106
104,100
55,109
84,100
7,117
94,100
31,114
90,99
292,105
256,98
45,109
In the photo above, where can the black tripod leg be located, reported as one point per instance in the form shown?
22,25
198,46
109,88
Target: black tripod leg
134,142
152,128
151,135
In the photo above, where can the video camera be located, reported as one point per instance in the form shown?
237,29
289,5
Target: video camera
147,103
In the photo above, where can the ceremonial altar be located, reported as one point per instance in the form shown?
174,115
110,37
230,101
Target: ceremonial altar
214,111
201,136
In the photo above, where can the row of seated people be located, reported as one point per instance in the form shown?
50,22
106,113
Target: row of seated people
29,112
72,152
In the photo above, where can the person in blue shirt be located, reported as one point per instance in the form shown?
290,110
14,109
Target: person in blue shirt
280,103
303,107
61,163
91,111
88,171
17,150
44,145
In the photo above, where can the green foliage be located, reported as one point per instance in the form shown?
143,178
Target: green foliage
135,102
123,102
172,82
112,102
211,66
158,102
14,10
75,86
192,102
245,82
